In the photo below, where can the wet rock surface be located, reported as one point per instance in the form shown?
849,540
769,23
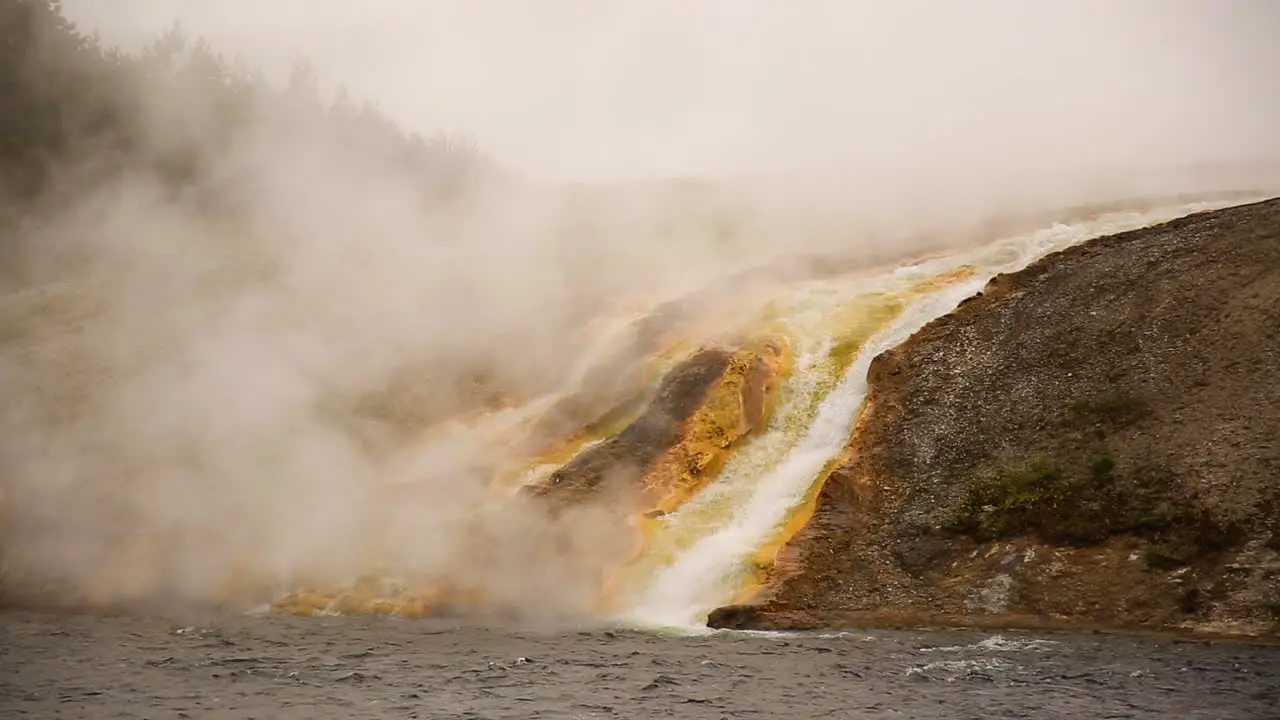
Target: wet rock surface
703,406
1093,441
62,666
624,458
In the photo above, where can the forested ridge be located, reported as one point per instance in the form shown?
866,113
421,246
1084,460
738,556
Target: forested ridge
75,111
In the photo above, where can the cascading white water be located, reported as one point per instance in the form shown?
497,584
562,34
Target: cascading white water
709,571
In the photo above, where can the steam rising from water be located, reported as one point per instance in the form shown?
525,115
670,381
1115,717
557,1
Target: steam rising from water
174,389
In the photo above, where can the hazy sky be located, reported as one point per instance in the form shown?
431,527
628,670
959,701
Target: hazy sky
624,88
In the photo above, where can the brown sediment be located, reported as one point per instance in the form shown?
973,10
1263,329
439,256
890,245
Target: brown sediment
745,617
1145,367
371,595
942,280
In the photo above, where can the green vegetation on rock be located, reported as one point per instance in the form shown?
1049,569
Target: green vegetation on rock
1040,498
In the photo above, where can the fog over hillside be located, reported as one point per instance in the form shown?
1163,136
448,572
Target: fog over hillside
188,326
581,89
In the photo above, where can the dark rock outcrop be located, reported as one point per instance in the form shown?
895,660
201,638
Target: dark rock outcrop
702,408
624,458
1091,442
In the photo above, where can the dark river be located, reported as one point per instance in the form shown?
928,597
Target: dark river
76,666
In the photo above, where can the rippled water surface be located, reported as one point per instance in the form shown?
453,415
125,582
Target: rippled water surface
278,667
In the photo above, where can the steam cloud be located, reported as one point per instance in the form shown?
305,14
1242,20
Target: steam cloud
174,378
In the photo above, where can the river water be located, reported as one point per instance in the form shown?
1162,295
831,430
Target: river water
225,666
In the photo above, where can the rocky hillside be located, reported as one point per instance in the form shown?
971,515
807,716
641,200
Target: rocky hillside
1091,442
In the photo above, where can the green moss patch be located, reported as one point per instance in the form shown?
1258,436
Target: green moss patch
1086,507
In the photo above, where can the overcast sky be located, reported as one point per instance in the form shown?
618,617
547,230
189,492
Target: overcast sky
586,89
